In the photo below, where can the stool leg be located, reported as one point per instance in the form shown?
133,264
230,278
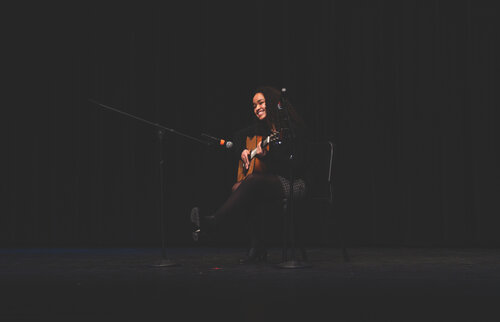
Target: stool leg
285,231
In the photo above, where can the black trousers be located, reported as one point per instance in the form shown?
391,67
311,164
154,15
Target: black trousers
257,196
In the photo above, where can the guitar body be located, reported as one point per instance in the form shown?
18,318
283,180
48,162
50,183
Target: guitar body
255,164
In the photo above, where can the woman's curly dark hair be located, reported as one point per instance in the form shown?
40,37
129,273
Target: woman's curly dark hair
274,116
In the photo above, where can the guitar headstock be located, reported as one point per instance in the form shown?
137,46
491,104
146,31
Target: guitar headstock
274,136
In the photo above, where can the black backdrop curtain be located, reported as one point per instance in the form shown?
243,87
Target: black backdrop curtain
408,90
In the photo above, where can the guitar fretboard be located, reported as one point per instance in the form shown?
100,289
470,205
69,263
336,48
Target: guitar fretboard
263,145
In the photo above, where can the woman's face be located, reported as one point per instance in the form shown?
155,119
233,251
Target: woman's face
259,106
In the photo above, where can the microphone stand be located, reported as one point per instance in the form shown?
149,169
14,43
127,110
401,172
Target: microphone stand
289,229
165,262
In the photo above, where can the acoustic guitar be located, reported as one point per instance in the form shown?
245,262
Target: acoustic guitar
255,165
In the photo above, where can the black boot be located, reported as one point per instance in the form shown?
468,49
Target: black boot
255,255
203,228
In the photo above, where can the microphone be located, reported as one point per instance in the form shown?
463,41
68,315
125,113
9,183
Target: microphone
282,101
220,142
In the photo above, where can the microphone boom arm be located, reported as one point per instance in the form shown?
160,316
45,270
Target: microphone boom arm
148,122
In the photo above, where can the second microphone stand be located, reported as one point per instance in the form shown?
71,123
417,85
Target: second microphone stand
289,224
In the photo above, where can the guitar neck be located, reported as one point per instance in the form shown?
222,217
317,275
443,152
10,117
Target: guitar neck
263,145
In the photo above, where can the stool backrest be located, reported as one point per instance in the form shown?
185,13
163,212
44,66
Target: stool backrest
319,169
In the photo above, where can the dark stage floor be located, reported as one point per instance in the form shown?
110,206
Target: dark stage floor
386,284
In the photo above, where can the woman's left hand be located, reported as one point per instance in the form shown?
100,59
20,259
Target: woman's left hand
261,151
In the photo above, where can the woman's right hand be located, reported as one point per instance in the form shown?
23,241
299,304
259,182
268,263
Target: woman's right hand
244,158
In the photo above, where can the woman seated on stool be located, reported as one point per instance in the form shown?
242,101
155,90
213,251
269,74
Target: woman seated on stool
264,179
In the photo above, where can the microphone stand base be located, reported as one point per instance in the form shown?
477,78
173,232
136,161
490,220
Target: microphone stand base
294,264
165,263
